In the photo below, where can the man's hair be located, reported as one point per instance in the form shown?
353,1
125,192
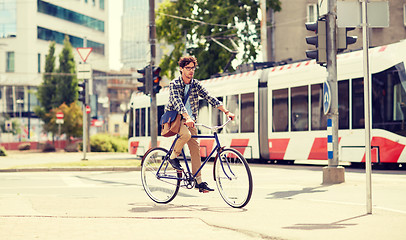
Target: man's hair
185,60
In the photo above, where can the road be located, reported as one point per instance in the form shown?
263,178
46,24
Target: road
288,202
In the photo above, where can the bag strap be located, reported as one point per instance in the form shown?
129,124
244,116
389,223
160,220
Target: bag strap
187,94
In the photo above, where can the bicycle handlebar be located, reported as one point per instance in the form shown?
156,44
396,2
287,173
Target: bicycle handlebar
213,128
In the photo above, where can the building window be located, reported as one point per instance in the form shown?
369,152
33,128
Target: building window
58,37
101,4
8,21
404,14
312,13
39,62
10,62
71,16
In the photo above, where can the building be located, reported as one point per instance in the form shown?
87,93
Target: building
287,34
135,45
26,29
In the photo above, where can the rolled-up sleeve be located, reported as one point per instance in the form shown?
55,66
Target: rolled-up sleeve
203,93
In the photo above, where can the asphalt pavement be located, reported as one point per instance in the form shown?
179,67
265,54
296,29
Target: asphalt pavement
287,203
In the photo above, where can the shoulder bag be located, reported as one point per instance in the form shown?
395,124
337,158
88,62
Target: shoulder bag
171,120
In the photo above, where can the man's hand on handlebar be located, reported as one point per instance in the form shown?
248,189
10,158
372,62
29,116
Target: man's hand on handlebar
230,115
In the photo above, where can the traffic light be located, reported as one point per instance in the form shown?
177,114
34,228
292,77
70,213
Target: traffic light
319,41
343,40
144,80
156,79
82,92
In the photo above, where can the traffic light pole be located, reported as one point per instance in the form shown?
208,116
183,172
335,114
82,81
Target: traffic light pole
332,173
84,135
152,40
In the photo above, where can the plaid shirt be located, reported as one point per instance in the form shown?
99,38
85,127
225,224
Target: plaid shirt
177,93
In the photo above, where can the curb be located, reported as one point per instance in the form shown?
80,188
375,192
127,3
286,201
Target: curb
71,169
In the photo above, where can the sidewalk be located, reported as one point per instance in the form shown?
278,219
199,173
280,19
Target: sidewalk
26,158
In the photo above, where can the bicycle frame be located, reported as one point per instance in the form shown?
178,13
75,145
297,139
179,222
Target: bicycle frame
217,148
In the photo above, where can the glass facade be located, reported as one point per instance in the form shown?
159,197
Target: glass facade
134,43
71,16
58,37
8,21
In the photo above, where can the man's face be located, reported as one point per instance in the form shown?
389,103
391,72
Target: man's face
188,71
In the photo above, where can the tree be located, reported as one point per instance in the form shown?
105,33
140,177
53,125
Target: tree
67,90
73,120
59,89
197,27
47,90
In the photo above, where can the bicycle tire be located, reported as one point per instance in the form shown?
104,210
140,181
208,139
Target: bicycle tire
160,190
233,178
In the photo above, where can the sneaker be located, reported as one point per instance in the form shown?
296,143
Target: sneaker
203,187
175,164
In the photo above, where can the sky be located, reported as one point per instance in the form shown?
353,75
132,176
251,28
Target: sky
115,12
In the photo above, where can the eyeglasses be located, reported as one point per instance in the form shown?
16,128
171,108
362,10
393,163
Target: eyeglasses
190,68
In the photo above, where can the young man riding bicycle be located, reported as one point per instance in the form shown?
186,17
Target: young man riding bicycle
178,89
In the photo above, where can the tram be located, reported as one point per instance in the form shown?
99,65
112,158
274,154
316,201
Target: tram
279,111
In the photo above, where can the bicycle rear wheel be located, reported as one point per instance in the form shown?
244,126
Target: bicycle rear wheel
233,178
160,180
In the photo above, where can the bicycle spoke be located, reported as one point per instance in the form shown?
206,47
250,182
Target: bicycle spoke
233,178
160,181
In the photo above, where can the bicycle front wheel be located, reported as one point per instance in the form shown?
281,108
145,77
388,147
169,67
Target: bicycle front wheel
160,180
233,178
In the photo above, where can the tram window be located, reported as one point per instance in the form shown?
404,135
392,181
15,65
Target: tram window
161,110
142,122
343,105
203,116
232,104
149,122
389,100
216,116
319,120
300,109
357,103
247,112
280,110
137,122
131,123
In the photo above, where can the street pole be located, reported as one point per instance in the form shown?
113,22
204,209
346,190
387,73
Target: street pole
152,41
264,42
332,173
84,135
367,110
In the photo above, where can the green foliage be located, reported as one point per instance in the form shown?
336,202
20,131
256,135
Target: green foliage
59,92
47,90
108,143
190,26
67,90
2,151
73,120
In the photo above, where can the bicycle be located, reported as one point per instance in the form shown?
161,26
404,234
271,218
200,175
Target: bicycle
231,172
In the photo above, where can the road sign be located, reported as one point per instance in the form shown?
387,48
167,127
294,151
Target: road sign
84,71
326,97
84,53
349,14
9,125
88,109
59,115
59,121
